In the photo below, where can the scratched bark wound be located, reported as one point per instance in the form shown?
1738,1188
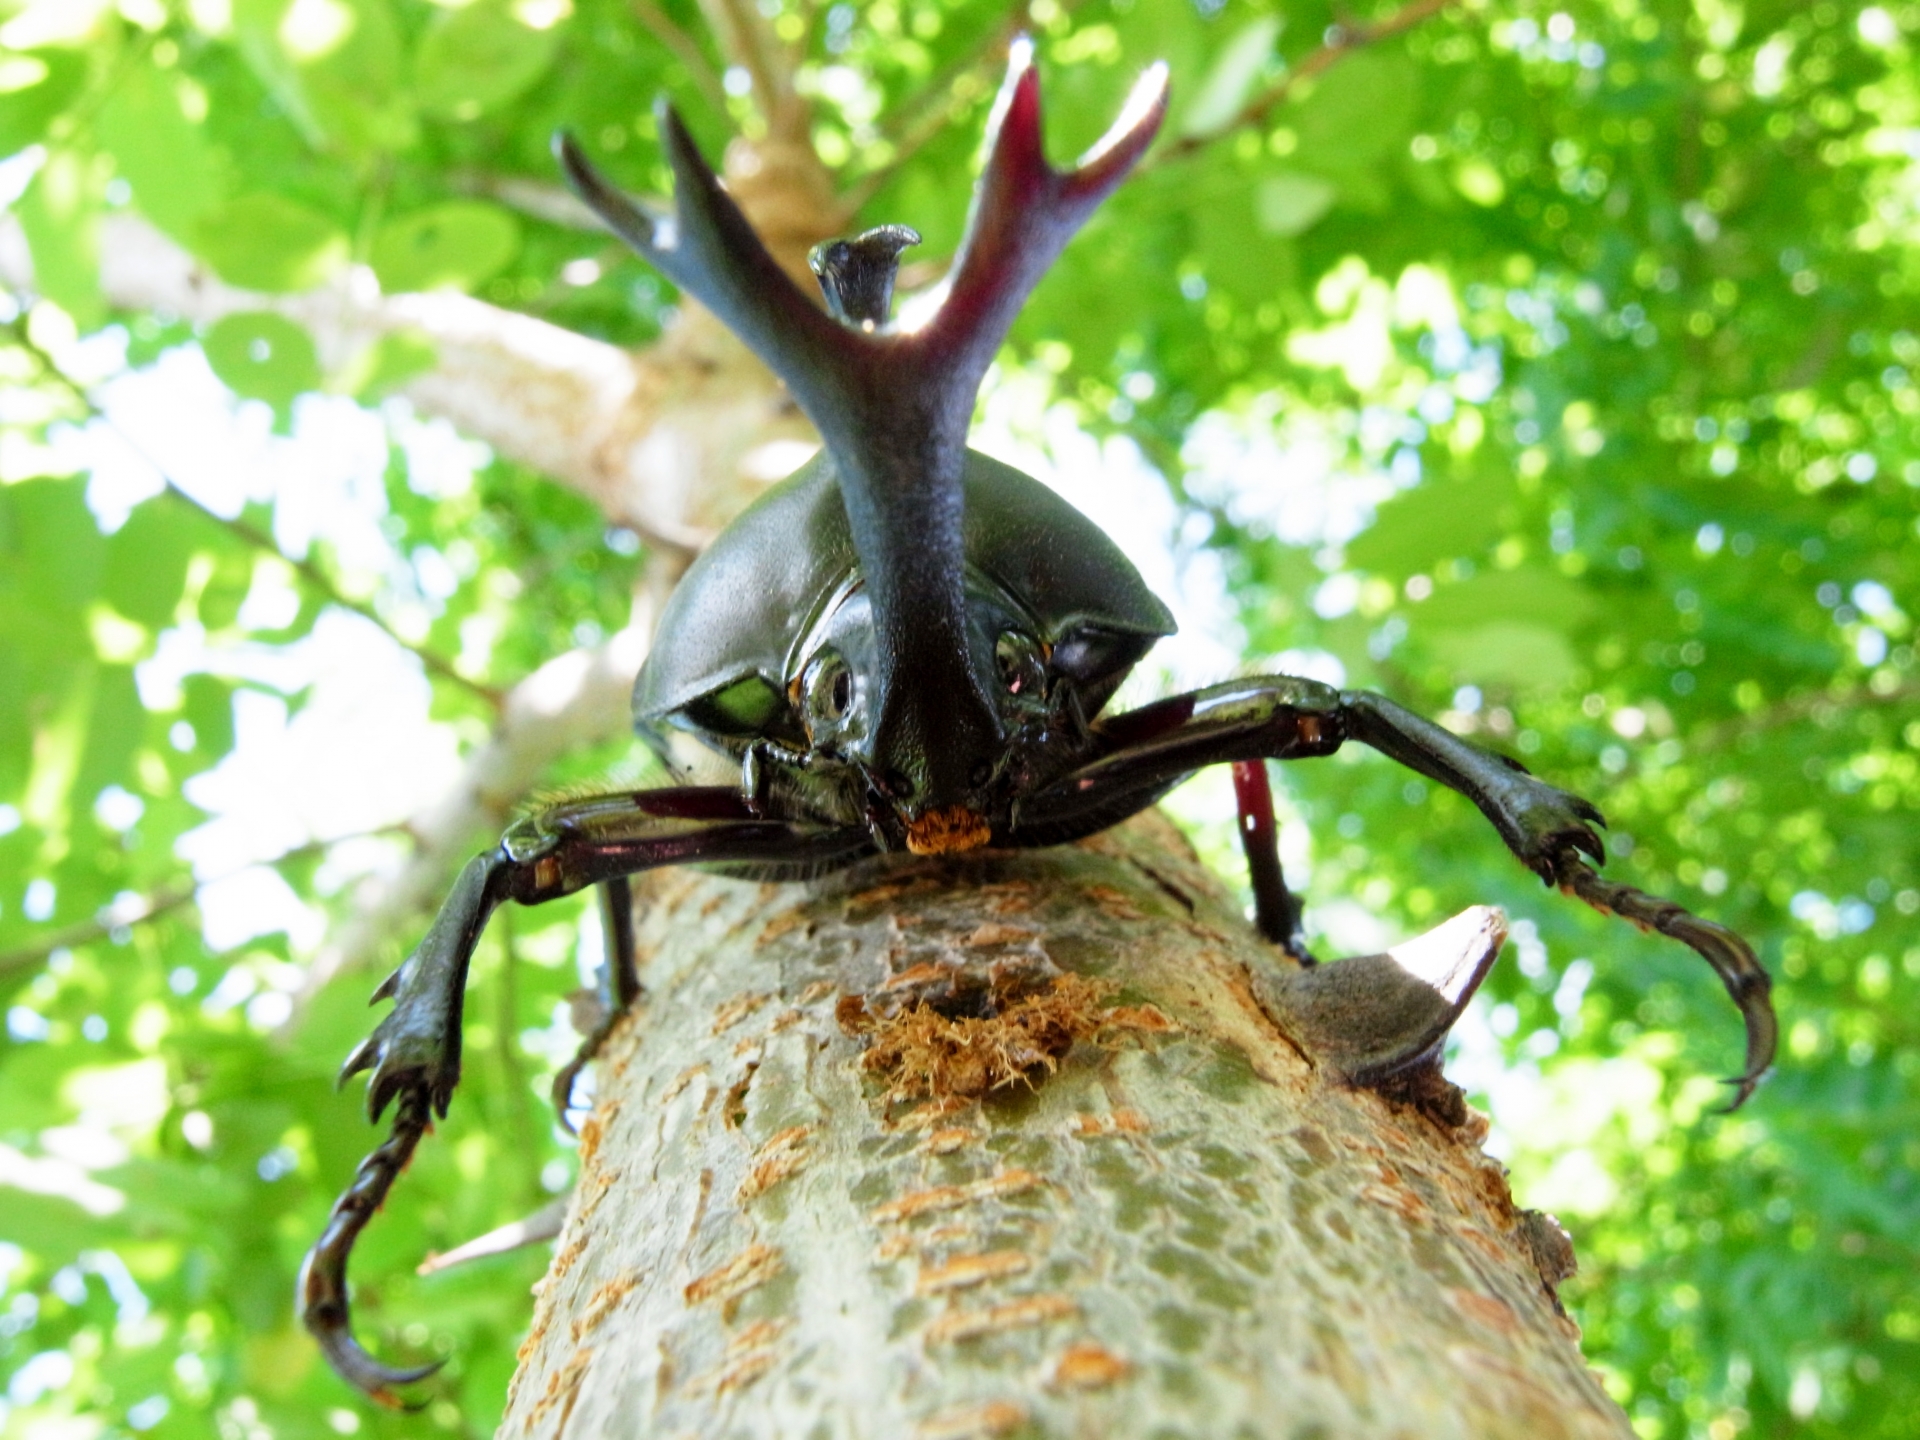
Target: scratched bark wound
1184,1228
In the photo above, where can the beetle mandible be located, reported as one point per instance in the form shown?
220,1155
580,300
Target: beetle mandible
908,646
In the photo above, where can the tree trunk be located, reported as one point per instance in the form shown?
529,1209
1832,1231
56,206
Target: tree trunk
798,1215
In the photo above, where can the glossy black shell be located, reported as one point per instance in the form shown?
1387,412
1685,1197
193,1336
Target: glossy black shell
743,605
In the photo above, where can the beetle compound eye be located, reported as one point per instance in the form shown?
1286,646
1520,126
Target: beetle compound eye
1023,670
829,689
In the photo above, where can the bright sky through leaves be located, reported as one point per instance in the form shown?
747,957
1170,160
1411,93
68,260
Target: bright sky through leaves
1552,367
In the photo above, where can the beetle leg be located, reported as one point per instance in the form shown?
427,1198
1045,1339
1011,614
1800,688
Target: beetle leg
414,1053
1547,828
1138,756
1276,909
322,1287
1731,957
619,988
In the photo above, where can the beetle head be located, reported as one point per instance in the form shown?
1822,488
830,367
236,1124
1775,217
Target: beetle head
931,785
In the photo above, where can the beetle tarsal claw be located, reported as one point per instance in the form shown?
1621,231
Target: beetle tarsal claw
373,1379
1373,1016
943,832
1733,960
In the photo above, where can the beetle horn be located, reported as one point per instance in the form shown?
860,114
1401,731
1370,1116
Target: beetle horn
1024,213
892,401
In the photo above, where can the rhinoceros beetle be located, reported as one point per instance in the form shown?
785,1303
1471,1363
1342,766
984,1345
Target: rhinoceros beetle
908,646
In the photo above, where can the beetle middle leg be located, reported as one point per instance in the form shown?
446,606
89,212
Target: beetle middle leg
619,985
414,1052
1276,909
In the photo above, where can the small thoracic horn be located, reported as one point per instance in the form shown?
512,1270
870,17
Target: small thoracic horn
857,275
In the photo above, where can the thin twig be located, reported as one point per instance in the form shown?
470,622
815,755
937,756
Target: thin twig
685,50
988,51
1800,707
738,29
926,113
1342,40
241,530
318,579
160,901
85,932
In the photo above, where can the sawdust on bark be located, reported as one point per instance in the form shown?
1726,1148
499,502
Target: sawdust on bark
920,1053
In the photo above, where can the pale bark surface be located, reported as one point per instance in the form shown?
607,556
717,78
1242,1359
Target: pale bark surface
1188,1229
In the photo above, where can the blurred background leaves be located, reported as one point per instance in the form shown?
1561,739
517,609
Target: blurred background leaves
1549,366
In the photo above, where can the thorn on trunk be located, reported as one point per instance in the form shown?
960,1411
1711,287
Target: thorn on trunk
1377,1017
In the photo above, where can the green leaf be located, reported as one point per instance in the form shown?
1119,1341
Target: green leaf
175,174
390,361
262,356
50,567
1510,653
35,87
457,244
1539,594
474,59
356,85
1435,521
335,66
1293,202
1360,112
50,549
1231,78
113,731
267,242
60,214
147,559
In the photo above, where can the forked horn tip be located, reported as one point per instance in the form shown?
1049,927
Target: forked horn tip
617,212
1133,129
1018,104
666,115
581,176
677,141
1019,56
1743,1088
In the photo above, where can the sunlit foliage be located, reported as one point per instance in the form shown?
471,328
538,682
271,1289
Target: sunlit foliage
1555,368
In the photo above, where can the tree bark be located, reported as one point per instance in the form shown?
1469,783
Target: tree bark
796,1218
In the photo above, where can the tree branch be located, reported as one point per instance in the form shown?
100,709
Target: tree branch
661,442
749,42
691,57
927,113
316,578
161,901
31,957
671,442
1342,40
1796,708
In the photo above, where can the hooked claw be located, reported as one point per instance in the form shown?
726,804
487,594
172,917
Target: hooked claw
1730,956
323,1277
562,1091
356,1367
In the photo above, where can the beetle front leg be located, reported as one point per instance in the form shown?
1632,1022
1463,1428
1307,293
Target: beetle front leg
1136,757
414,1053
1546,827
